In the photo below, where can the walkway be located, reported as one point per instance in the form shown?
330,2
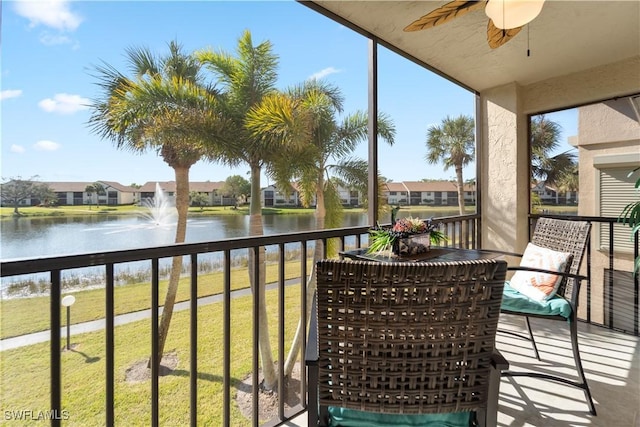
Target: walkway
97,325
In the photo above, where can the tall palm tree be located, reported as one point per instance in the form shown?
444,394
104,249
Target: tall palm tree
97,189
545,139
246,79
164,107
317,152
569,180
453,143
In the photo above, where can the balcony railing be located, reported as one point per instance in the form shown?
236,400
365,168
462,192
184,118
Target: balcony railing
611,297
463,232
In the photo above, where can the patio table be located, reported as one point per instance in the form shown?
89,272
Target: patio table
435,254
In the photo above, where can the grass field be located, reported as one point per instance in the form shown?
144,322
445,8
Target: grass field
25,371
22,316
63,211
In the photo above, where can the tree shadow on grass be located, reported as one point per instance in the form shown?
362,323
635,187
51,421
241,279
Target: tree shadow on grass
87,358
201,376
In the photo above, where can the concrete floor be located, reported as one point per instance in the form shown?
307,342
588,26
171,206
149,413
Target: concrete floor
611,362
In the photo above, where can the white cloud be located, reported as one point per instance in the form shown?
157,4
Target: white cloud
54,39
324,73
17,148
64,103
10,93
45,145
55,14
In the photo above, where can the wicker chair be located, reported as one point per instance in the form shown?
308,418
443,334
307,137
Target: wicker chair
405,338
563,236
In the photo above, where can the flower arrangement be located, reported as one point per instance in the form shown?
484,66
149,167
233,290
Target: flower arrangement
383,239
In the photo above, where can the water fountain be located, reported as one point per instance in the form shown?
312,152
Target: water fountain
160,210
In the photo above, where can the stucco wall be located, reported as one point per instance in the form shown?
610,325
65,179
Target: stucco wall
586,87
609,136
504,171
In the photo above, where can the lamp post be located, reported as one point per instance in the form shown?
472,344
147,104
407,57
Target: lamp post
68,301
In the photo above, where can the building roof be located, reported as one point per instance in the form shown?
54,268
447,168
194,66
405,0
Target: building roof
396,186
170,186
426,186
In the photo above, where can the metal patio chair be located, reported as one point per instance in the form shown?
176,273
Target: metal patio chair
563,236
405,343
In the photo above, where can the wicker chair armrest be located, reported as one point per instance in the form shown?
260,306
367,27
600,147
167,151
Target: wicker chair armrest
578,277
498,361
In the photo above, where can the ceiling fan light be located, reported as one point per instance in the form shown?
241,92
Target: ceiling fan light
507,14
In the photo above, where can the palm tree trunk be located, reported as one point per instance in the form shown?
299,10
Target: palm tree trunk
182,206
463,235
460,189
258,283
318,252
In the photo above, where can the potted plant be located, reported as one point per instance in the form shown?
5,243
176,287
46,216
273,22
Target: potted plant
407,236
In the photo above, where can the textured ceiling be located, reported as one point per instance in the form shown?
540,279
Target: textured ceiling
567,37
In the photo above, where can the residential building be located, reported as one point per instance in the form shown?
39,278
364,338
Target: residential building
74,193
609,149
432,193
551,195
211,190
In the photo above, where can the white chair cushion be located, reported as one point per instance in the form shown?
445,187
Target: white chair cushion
535,285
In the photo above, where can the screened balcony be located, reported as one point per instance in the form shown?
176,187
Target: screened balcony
508,87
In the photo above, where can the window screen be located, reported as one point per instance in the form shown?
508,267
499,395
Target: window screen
616,191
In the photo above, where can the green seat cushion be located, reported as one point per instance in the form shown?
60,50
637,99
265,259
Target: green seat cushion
512,300
353,418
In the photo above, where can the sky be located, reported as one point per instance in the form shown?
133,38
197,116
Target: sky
50,51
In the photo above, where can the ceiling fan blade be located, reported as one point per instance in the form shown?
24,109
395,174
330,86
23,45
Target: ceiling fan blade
496,37
445,14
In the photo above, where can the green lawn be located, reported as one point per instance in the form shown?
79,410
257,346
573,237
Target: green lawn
25,371
19,316
65,211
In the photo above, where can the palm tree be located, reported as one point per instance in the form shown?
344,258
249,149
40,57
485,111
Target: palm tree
318,153
452,143
569,180
246,79
163,107
90,189
545,139
97,189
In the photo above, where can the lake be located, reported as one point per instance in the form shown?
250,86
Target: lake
37,237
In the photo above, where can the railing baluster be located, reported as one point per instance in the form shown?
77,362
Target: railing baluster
256,336
610,281
589,279
155,345
110,346
281,314
226,375
303,314
636,285
56,383
193,379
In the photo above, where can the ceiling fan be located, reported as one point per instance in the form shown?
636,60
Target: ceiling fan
506,17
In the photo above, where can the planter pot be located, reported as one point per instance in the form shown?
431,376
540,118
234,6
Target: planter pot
412,245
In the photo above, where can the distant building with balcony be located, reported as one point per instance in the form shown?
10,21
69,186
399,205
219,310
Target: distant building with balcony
74,193
211,190
430,193
551,195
